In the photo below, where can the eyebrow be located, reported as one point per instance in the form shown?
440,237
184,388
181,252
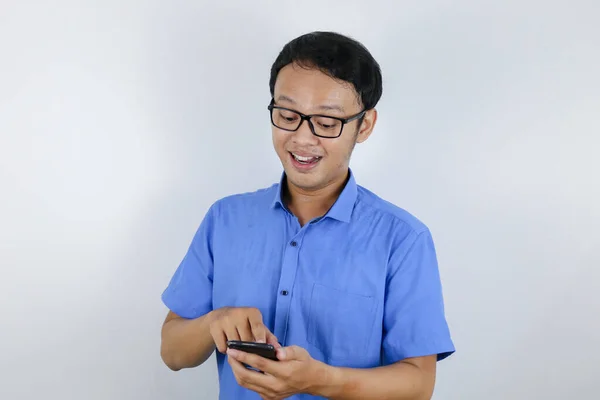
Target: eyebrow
325,107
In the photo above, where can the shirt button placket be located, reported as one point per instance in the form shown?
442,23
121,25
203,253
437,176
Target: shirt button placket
286,283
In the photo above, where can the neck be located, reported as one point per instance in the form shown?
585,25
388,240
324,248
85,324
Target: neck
309,204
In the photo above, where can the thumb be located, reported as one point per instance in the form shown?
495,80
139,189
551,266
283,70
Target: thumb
291,353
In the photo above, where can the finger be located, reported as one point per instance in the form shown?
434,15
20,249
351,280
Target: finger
251,379
220,339
291,353
245,332
240,372
272,339
259,330
231,332
253,360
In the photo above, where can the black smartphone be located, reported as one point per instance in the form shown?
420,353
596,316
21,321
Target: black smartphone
262,349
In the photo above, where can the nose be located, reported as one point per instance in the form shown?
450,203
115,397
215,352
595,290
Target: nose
303,135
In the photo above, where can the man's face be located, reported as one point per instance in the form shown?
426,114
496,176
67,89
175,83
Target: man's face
310,91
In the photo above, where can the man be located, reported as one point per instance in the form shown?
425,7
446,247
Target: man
343,283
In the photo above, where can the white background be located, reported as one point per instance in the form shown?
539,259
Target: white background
122,121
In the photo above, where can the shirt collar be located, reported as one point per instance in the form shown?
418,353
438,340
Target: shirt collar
341,209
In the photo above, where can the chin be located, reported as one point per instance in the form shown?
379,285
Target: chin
304,181
309,180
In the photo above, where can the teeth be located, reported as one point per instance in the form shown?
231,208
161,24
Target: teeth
304,159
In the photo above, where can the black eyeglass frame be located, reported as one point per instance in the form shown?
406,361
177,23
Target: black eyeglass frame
304,117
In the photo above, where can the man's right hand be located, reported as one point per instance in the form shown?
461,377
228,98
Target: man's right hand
239,323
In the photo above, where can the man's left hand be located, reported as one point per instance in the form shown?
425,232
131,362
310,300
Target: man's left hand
295,372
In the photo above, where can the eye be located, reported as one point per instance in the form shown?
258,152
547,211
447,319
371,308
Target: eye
328,123
288,116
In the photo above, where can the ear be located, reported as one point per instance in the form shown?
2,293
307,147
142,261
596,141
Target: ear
366,128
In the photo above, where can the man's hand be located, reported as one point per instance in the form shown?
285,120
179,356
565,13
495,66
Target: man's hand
296,372
239,323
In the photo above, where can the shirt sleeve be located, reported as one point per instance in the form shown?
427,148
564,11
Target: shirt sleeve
189,292
414,322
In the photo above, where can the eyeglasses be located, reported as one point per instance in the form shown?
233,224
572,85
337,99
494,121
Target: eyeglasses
324,126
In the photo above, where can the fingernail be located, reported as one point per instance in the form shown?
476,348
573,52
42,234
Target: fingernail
261,341
233,353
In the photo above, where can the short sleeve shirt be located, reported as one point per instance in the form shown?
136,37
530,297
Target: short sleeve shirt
358,287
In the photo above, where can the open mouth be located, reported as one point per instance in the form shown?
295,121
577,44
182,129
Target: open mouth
305,160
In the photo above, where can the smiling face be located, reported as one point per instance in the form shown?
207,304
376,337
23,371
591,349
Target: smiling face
311,162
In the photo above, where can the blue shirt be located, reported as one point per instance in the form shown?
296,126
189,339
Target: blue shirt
358,287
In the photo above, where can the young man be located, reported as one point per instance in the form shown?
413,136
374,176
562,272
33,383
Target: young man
343,283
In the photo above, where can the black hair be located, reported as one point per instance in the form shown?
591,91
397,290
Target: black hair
338,56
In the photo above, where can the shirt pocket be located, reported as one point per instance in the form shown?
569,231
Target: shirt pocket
340,323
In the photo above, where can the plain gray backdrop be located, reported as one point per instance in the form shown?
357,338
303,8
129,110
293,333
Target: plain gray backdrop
122,121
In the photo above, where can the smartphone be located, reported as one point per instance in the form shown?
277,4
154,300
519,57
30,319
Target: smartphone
262,349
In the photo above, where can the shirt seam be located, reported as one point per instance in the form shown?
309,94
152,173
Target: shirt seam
407,253
394,216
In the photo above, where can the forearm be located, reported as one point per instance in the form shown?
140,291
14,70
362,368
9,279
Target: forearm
400,381
187,343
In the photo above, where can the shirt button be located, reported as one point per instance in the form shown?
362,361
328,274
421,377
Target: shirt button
284,292
294,243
